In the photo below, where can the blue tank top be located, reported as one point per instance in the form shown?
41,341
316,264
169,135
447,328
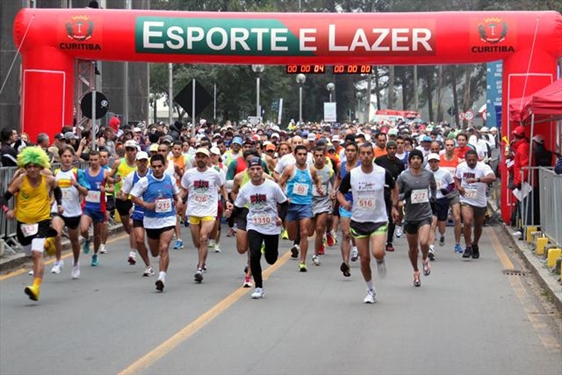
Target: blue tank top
160,192
299,187
95,200
343,172
138,211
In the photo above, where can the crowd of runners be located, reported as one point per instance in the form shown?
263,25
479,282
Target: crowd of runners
356,186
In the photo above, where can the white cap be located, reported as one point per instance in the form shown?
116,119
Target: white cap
484,129
311,137
137,130
539,138
336,138
141,155
215,150
275,135
130,143
433,157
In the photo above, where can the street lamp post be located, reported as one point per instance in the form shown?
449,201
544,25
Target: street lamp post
301,78
258,69
330,87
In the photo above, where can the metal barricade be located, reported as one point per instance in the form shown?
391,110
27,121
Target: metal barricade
8,228
550,204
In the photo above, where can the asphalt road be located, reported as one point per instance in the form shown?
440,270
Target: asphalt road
468,317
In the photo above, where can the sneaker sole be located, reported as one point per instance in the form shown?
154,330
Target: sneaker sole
30,294
132,262
344,268
159,285
294,253
198,278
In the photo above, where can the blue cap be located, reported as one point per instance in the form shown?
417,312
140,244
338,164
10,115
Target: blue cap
427,138
237,140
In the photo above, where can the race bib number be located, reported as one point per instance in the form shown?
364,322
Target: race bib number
419,196
93,196
300,189
262,219
470,193
163,205
201,198
366,203
439,185
29,229
66,194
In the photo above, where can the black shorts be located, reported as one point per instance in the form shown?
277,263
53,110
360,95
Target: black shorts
154,234
69,222
442,206
123,207
42,232
241,220
367,229
477,211
336,210
110,203
411,227
138,224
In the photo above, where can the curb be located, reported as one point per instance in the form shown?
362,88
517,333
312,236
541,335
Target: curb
12,262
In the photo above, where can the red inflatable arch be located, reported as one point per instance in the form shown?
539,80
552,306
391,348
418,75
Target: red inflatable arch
529,43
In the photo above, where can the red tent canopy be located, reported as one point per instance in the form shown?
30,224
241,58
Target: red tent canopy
544,104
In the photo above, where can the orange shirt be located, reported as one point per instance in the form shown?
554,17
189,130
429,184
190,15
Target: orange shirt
449,165
379,151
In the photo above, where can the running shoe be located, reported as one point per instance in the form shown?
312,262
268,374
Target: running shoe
389,247
231,232
322,250
442,241
431,253
246,269
103,249
426,267
199,275
149,271
50,247
467,252
354,254
284,234
302,267
295,251
94,262
370,297
178,245
217,248
330,241
33,292
335,237
160,283
398,232
204,269
86,246
263,248
30,273
417,281
344,268
212,244
316,260
75,273
381,268
247,282
475,251
57,267
132,258
458,248
258,293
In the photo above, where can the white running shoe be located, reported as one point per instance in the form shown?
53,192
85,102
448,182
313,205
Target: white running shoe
398,232
30,273
57,267
217,248
149,271
247,282
370,297
381,268
354,254
258,293
75,273
103,249
212,244
316,260
132,258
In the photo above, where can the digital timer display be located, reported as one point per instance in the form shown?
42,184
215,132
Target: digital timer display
305,69
352,69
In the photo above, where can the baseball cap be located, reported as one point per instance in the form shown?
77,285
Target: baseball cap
137,130
432,157
518,131
393,131
311,137
203,150
270,146
484,129
426,138
142,155
237,141
336,138
167,138
391,144
539,138
153,147
215,151
384,130
255,161
131,144
276,135
70,135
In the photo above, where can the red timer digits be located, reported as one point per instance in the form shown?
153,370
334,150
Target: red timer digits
305,69
352,69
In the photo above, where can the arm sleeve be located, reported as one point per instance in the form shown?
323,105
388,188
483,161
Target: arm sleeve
283,208
231,172
345,185
389,180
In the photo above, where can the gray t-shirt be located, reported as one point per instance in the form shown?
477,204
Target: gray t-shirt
417,190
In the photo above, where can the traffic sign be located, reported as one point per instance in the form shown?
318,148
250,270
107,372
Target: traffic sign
469,115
